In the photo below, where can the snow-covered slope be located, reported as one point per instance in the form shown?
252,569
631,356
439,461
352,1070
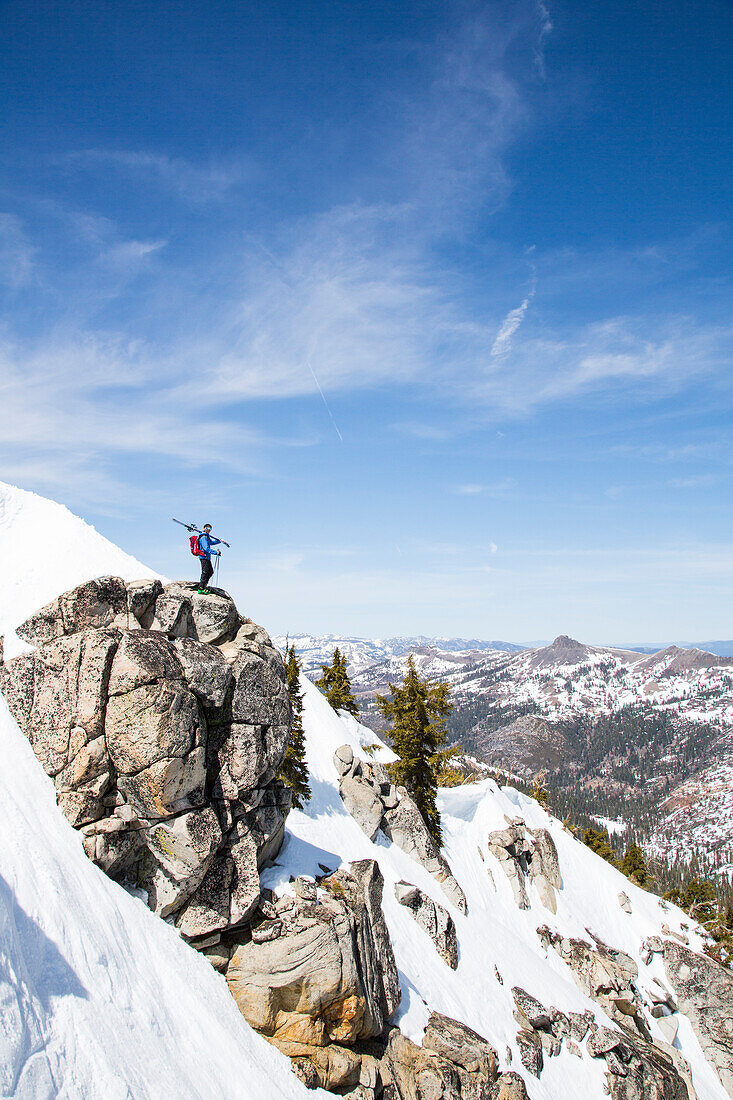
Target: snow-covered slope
100,998
44,550
494,933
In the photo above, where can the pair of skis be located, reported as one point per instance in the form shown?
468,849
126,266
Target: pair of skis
193,527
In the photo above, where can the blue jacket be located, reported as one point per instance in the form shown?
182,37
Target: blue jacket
205,544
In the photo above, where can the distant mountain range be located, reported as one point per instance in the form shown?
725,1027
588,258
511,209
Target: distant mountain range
315,649
640,737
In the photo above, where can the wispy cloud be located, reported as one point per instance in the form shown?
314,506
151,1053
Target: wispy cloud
545,28
16,253
127,253
649,355
503,342
431,433
700,481
194,182
496,489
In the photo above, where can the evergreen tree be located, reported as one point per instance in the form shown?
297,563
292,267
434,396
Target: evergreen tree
336,685
698,899
294,768
598,842
417,712
539,791
634,865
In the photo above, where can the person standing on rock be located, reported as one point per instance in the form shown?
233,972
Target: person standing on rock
206,541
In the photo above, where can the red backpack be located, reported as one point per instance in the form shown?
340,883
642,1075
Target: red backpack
195,549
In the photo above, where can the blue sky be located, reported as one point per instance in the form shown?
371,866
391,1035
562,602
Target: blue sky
425,306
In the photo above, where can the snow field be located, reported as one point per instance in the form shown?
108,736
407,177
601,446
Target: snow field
494,933
44,550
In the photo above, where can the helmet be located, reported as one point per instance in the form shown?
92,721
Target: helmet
207,527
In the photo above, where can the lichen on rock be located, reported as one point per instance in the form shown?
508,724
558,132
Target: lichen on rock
162,717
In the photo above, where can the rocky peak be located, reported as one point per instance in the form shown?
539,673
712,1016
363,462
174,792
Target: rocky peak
162,717
563,651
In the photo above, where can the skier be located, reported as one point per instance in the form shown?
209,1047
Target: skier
206,541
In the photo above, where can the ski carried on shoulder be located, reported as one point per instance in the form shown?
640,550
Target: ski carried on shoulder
193,527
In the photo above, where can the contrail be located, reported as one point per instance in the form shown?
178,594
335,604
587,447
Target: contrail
323,398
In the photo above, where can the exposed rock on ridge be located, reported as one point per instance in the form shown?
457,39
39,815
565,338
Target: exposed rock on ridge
705,992
528,856
375,802
162,717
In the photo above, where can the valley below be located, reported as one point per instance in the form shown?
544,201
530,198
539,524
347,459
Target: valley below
644,740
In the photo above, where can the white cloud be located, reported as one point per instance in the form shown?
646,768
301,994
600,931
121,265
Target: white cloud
197,183
696,482
503,342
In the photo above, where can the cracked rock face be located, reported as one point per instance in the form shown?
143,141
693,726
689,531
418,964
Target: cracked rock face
704,991
162,717
637,1070
374,802
604,974
319,972
454,1062
432,918
528,856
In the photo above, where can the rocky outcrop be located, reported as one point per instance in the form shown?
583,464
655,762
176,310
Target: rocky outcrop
374,802
636,1070
319,972
508,1086
543,1030
453,1062
432,918
704,991
162,717
604,974
528,856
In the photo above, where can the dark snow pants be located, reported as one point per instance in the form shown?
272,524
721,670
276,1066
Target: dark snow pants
207,571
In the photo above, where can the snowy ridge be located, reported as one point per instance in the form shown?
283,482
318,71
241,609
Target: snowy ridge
557,681
362,653
494,933
44,550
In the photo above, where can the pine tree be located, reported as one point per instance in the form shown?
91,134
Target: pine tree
336,685
634,865
598,842
417,711
539,791
698,899
294,768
